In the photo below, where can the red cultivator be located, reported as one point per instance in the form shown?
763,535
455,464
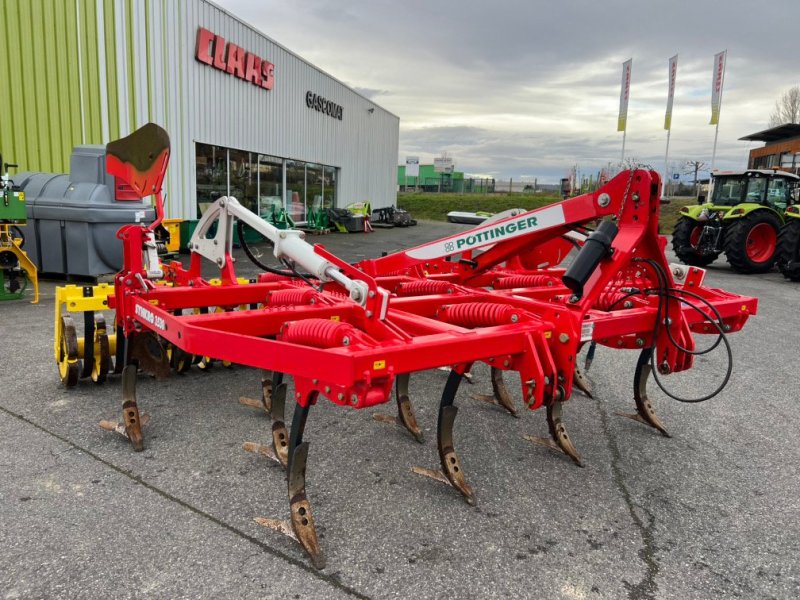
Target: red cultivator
349,333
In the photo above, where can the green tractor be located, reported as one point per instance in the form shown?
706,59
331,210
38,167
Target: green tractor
744,219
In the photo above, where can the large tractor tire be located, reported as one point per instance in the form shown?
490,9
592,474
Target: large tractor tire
789,249
685,239
752,241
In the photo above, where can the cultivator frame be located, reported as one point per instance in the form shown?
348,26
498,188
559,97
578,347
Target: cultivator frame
349,333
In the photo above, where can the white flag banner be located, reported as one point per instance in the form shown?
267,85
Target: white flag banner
718,79
672,74
624,94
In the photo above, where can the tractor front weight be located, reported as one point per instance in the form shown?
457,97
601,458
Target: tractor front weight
500,294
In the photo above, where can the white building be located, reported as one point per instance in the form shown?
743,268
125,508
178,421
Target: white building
246,116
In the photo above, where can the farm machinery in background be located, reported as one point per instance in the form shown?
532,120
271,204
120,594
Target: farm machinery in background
16,269
753,217
350,333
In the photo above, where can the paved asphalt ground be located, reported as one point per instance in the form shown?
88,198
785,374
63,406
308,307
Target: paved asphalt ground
711,513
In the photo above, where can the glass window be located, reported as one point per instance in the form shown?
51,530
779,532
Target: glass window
270,185
212,175
243,181
728,191
329,187
314,185
755,189
778,194
296,190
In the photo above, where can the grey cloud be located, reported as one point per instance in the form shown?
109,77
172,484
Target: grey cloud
479,79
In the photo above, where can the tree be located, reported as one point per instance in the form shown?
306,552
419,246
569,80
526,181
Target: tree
692,167
787,108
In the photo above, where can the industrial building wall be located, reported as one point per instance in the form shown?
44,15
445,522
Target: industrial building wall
89,71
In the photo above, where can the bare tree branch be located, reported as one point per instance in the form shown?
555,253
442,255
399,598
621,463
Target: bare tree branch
787,108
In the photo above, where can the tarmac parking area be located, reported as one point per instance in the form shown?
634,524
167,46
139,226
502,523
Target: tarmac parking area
712,512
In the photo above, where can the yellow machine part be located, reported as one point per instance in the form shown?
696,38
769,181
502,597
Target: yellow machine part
11,244
70,298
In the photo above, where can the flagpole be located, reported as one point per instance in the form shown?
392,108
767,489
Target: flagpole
622,160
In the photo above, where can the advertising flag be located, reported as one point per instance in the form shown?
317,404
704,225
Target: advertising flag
624,94
718,78
673,71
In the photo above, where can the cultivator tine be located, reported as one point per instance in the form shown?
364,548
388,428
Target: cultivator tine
301,526
644,409
560,441
405,411
119,428
255,448
130,410
589,356
451,473
467,376
280,437
267,386
582,382
500,395
279,452
302,521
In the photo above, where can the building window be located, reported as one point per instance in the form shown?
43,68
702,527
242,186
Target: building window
270,185
296,190
257,182
242,178
212,175
329,187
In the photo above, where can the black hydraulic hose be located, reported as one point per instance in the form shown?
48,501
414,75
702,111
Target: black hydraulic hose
665,293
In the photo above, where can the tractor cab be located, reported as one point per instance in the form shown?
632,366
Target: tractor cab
743,219
776,189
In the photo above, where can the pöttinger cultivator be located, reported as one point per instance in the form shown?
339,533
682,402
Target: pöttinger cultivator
349,333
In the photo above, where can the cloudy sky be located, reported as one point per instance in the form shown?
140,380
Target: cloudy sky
514,89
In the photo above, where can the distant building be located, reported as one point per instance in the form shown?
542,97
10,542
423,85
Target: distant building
781,148
429,179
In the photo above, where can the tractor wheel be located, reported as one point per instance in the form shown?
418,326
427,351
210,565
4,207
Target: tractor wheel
751,242
789,250
685,240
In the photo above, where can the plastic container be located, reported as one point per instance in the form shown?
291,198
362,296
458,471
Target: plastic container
73,219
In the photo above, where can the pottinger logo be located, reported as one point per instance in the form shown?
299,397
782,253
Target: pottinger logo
495,233
212,50
544,218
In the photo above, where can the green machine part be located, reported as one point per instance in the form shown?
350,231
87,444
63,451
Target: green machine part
12,207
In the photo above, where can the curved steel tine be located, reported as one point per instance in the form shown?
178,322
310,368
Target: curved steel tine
280,437
645,413
130,410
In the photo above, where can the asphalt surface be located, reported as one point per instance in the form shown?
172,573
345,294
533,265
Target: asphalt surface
710,513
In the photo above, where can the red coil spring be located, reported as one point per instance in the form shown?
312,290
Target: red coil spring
478,314
319,333
607,300
291,297
519,281
268,277
423,287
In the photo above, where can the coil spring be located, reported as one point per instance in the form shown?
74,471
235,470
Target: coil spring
518,281
269,277
613,298
292,297
423,287
478,314
319,333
